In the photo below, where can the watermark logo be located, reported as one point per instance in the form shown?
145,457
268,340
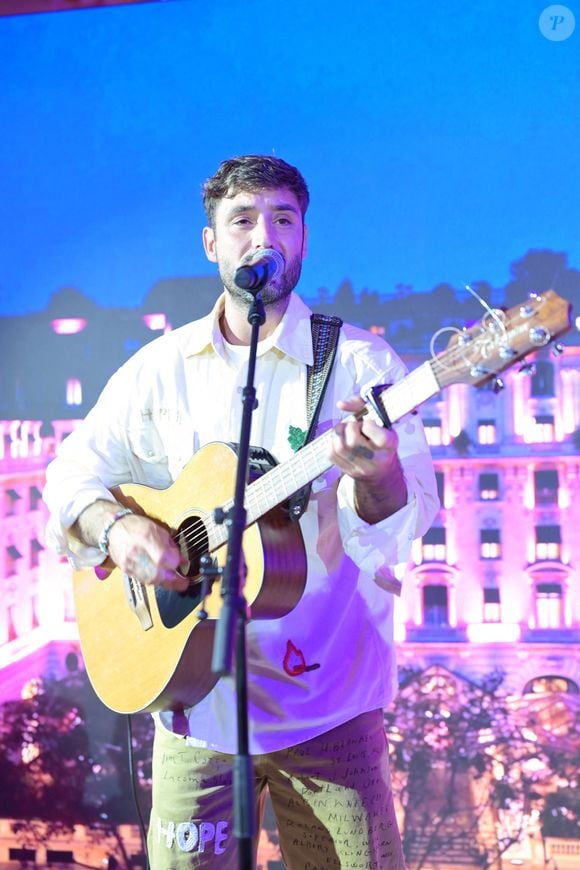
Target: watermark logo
557,23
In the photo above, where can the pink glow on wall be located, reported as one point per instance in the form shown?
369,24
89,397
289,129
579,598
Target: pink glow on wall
517,386
529,495
455,405
451,554
68,325
570,404
20,439
74,392
156,322
400,632
493,632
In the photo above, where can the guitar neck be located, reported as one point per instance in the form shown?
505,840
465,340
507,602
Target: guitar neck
312,460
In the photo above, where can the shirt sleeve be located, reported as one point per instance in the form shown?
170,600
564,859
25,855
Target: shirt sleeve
383,549
92,460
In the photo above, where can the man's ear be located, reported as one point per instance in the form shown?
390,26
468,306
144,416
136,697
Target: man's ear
208,238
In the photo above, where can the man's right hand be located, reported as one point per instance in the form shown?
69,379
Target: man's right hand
146,551
140,547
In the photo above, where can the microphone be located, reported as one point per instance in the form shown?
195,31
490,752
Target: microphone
264,266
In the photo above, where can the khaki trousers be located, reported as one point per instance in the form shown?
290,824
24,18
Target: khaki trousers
331,797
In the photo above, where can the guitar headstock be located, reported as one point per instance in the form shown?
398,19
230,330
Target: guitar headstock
501,338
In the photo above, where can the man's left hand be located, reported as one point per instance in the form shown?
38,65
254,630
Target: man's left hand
367,452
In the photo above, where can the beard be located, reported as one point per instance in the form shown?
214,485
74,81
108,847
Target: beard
275,291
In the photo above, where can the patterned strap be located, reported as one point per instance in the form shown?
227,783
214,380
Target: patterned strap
325,334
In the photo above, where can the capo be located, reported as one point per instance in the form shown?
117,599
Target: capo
371,396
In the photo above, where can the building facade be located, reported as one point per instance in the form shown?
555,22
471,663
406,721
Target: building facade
495,583
493,586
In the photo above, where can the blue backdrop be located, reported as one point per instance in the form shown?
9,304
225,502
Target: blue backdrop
440,141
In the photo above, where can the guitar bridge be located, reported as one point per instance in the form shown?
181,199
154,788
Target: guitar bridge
137,601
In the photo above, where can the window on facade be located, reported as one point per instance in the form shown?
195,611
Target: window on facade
489,543
35,549
549,605
11,501
434,545
435,608
543,430
34,497
433,432
74,392
13,554
486,431
548,542
546,486
440,478
543,379
488,486
491,605
24,856
59,856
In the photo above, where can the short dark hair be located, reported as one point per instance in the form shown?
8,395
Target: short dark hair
250,173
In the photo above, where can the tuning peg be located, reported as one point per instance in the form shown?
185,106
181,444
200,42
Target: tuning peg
529,308
557,349
497,385
539,336
528,369
477,372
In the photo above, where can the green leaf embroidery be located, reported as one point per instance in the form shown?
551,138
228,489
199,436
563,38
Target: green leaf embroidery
296,437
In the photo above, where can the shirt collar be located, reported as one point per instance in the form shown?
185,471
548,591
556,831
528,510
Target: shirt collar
292,336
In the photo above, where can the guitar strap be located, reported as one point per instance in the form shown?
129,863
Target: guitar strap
325,334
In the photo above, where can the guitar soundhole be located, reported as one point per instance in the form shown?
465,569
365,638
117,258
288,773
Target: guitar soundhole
193,543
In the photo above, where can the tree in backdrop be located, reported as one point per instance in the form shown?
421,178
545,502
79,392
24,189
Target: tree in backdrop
475,771
64,761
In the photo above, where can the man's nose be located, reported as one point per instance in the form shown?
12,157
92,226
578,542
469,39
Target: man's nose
263,235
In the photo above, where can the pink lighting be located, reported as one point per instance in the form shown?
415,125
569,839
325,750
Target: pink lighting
400,633
155,322
74,392
68,325
456,409
493,632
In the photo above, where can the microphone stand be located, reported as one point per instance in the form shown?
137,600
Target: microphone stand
233,616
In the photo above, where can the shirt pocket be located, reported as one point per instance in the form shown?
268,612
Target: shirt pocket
149,457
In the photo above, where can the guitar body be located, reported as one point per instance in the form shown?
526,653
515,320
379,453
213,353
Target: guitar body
156,654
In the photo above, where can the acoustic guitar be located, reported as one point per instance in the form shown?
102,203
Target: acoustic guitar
147,648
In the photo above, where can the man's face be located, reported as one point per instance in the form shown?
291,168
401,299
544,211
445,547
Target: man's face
249,222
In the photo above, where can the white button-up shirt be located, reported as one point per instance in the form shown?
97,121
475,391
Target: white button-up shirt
183,391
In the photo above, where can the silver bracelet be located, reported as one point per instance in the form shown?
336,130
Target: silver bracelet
103,542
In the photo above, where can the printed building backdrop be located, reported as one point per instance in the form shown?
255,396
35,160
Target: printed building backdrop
440,147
